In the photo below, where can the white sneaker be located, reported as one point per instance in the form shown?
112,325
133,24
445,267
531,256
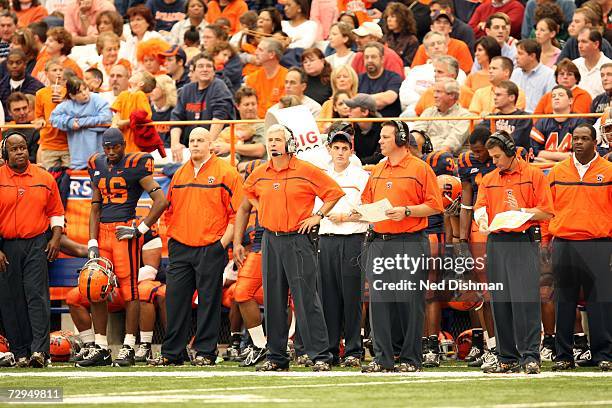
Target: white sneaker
489,360
7,359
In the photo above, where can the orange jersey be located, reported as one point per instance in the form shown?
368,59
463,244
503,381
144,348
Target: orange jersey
269,90
126,103
233,11
286,196
50,138
427,99
202,205
27,201
456,48
583,207
580,104
31,15
410,182
526,183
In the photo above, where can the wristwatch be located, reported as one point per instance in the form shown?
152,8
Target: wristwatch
407,211
320,214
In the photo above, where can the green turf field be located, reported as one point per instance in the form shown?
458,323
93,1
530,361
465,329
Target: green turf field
448,386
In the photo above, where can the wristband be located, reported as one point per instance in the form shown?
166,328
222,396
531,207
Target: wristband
92,243
467,207
320,214
143,228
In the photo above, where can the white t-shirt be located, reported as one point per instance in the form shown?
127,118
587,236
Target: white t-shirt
302,36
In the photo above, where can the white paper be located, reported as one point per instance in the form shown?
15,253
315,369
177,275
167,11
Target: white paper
374,212
509,220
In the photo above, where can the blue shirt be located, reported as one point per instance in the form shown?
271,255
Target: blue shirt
535,83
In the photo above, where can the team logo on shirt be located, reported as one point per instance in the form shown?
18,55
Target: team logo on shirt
211,180
276,186
21,191
600,178
389,184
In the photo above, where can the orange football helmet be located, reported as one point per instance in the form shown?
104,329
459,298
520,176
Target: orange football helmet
97,280
466,300
450,186
60,346
605,129
4,344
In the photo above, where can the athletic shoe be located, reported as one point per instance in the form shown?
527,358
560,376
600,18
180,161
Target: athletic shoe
548,351
582,352
532,367
271,366
7,359
502,368
369,344
351,361
489,357
97,357
563,365
407,368
161,361
126,357
605,365
203,361
143,353
304,360
432,356
255,355
374,367
82,354
474,354
232,353
38,360
321,366
23,362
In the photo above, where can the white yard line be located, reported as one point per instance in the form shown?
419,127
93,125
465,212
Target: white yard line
552,404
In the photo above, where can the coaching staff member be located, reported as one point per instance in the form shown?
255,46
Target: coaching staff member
29,203
512,254
203,198
581,189
283,191
410,184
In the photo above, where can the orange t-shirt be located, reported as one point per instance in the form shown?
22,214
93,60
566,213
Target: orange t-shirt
287,196
581,103
126,103
50,137
410,182
582,206
39,69
427,99
27,201
269,90
214,194
477,80
233,11
456,48
31,15
526,183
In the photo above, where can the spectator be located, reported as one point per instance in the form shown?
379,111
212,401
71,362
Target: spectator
166,14
318,72
590,61
301,30
295,85
118,79
230,9
551,138
207,98
29,11
532,76
546,32
39,32
174,64
196,10
350,18
506,95
8,26
369,32
191,43
602,101
142,28
269,80
325,13
583,18
343,79
17,79
212,35
163,100
460,30
445,67
486,49
498,27
514,9
341,40
441,23
80,19
367,134
448,135
483,102
421,14
58,45
80,116
93,79
107,47
148,54
223,53
23,40
400,32
567,7
19,109
383,85
567,75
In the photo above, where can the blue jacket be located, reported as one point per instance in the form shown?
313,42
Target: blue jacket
86,140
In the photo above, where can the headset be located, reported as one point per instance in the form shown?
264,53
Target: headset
290,143
3,146
508,145
427,146
401,138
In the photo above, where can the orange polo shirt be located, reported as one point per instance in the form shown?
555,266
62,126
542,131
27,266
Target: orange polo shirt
233,11
583,207
580,104
201,206
27,201
269,90
126,103
50,137
410,182
31,15
456,48
427,99
286,196
526,183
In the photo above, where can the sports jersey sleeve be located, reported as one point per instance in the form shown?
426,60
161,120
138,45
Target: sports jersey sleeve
441,163
91,165
464,167
537,138
145,166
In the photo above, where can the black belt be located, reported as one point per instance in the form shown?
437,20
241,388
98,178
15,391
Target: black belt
282,234
342,235
389,237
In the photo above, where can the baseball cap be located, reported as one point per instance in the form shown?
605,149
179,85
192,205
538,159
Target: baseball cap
441,14
175,50
340,136
369,28
363,101
112,136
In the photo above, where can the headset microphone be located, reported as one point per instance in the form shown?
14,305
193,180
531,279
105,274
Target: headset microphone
276,154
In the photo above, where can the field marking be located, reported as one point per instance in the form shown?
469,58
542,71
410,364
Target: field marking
551,404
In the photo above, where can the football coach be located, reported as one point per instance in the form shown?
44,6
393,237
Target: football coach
283,191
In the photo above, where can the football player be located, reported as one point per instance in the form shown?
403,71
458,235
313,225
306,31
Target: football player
118,180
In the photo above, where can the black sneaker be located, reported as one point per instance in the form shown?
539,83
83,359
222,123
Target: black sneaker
582,351
82,354
474,354
374,367
351,361
97,357
304,360
255,355
143,353
232,353
126,357
203,361
38,360
532,367
548,350
563,365
271,366
321,366
407,368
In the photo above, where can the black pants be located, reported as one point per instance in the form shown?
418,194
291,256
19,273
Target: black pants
190,269
24,296
340,291
583,265
513,261
392,308
289,263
